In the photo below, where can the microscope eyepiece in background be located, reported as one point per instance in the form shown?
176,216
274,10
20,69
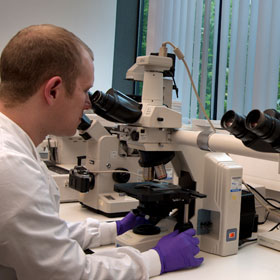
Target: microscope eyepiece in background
259,131
115,106
235,124
273,113
265,127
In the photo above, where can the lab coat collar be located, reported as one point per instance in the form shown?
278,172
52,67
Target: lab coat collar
11,127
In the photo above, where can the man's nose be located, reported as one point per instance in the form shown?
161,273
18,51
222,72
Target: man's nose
87,105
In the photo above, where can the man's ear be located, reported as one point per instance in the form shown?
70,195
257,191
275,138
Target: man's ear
52,89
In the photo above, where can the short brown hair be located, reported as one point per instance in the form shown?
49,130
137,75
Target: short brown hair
34,55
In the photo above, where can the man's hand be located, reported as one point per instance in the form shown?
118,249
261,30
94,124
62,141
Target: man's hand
129,222
177,250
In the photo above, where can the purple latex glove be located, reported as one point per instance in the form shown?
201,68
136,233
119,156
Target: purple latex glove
177,250
129,222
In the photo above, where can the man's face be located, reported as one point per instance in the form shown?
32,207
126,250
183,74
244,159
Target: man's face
74,105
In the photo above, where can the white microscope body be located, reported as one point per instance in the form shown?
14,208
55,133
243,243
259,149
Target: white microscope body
201,161
101,155
104,154
216,217
156,94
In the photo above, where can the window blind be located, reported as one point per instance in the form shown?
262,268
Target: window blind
248,44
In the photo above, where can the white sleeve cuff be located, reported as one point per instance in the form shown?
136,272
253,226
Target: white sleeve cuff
108,233
152,262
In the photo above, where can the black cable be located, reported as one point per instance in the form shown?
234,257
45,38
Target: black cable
261,223
275,200
247,240
265,199
276,226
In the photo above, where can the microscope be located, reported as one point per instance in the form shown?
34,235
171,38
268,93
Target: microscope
107,161
213,177
205,192
87,165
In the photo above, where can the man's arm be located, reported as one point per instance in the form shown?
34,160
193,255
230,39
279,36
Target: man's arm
37,244
92,233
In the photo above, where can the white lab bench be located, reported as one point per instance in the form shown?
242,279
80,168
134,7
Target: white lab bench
253,262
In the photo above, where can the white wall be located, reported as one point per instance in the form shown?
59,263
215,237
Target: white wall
260,172
91,20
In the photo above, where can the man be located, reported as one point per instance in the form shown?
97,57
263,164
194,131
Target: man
46,72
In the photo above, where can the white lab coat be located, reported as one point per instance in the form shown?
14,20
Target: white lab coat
34,242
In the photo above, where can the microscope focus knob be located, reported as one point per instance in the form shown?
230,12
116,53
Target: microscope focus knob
121,177
134,135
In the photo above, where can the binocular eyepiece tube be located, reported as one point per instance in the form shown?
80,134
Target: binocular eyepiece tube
235,124
259,130
115,106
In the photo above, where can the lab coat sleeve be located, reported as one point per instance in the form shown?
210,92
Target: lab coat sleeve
88,235
37,244
92,234
152,261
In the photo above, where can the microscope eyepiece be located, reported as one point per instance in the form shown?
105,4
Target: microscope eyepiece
115,106
273,113
102,100
254,120
265,126
235,124
258,131
228,119
96,97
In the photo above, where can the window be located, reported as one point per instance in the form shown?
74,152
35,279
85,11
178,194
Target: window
130,42
232,48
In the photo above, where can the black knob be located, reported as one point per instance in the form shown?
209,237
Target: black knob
121,177
134,135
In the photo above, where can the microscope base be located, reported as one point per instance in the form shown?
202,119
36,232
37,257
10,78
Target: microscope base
108,215
146,242
110,204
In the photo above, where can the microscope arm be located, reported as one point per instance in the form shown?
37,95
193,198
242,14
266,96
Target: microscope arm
219,142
